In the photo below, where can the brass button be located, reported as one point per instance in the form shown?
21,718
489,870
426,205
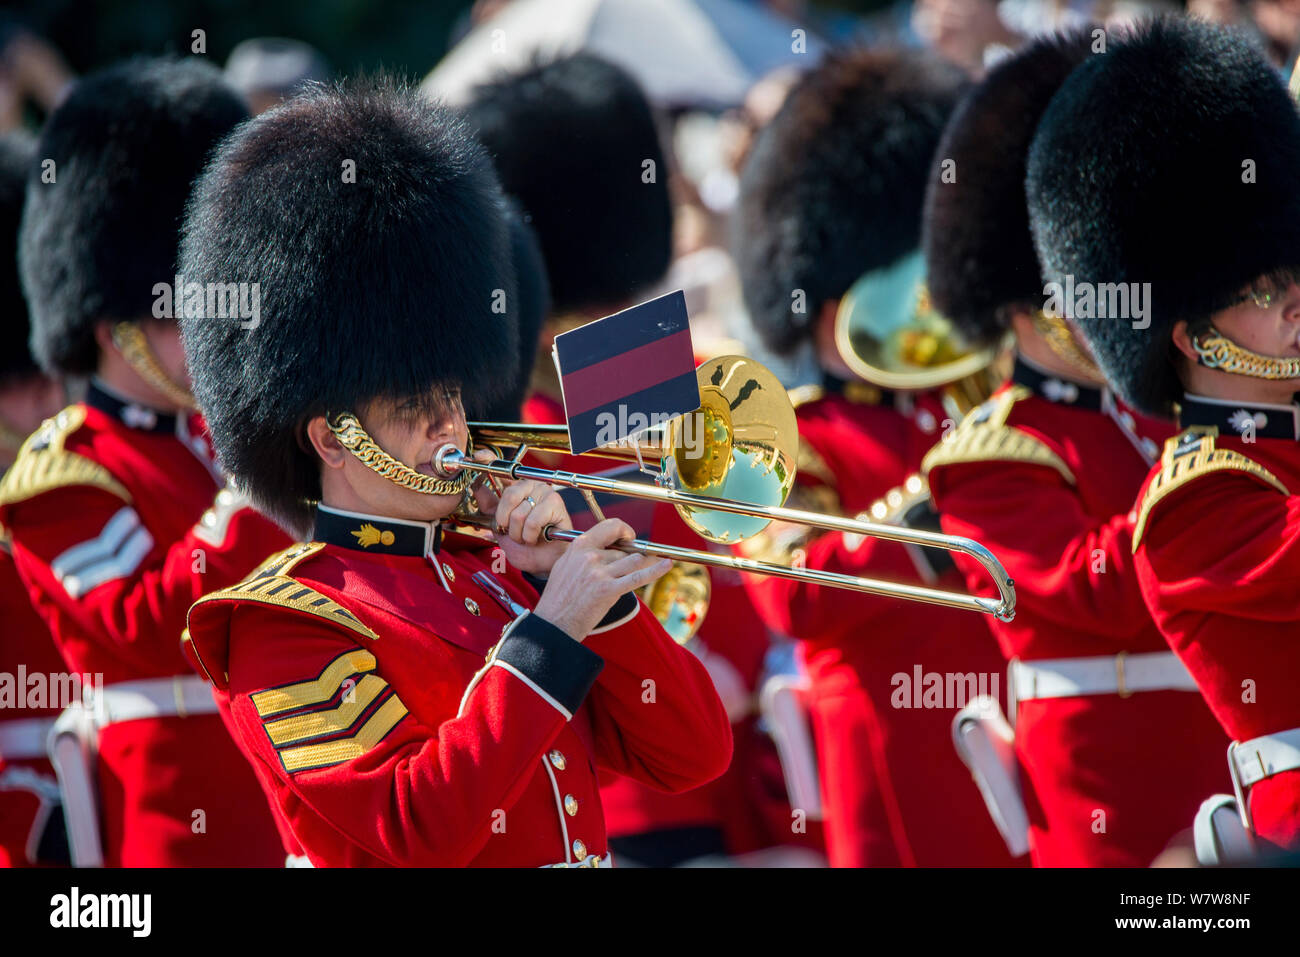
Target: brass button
446,570
471,606
570,805
557,760
580,850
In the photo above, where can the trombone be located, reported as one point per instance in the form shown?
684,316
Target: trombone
727,468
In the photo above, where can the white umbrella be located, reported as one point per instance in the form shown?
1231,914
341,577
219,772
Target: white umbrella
684,53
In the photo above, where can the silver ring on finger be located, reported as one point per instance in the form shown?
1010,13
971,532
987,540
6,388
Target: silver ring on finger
529,500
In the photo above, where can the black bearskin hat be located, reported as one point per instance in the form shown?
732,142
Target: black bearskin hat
17,150
570,140
377,233
534,292
126,145
834,185
979,252
1174,160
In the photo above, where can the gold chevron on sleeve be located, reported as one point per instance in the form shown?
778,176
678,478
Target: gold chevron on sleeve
298,728
318,690
43,464
311,757
1189,456
984,436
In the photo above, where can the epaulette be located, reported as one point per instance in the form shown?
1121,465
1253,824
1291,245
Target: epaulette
271,584
984,436
1188,456
44,464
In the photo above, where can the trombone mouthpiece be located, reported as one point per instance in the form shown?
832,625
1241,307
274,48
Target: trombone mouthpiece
447,460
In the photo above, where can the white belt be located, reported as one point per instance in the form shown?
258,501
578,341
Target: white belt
1121,674
1263,757
182,696
1250,762
21,740
591,860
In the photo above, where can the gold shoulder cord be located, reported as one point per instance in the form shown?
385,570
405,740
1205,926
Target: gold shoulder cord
1055,331
347,429
131,342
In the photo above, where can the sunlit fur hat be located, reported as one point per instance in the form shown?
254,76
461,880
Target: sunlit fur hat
1174,160
391,283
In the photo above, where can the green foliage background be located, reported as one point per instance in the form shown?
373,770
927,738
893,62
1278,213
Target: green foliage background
409,36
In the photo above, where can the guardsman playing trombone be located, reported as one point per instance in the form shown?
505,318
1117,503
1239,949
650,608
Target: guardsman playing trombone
407,693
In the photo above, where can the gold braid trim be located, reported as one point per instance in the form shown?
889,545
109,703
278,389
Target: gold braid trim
1217,351
1186,458
1055,331
347,429
984,436
131,342
43,464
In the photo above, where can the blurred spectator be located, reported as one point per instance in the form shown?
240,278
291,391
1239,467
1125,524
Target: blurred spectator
965,32
31,71
270,69
1279,22
1226,12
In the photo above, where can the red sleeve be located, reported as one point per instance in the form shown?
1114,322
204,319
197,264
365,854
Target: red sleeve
1068,567
89,555
394,788
1225,545
655,713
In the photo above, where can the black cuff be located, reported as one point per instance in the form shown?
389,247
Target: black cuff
550,659
537,583
626,605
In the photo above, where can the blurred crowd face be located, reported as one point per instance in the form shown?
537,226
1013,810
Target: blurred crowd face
1279,22
1268,324
960,30
411,431
1217,11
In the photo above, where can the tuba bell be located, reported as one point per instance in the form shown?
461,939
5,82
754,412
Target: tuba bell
888,333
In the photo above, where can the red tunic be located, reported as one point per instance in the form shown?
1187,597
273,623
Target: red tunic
24,643
894,790
103,518
359,688
1215,560
740,805
1045,477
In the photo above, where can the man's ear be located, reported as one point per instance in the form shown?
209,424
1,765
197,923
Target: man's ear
327,446
104,335
1183,341
1020,319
